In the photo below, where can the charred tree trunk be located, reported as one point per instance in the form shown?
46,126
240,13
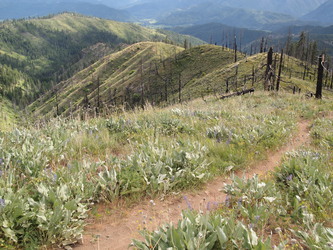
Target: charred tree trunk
253,75
180,88
235,47
320,77
280,71
98,103
269,70
57,103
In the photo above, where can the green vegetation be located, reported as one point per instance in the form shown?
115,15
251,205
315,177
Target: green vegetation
53,173
102,147
37,53
290,209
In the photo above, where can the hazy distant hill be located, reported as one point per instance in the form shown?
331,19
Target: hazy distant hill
217,33
28,8
323,14
215,12
291,7
157,8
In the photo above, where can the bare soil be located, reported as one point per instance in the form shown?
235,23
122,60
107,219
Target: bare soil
117,224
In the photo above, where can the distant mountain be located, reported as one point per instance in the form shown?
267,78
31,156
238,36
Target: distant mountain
28,8
219,34
155,8
291,7
323,14
218,13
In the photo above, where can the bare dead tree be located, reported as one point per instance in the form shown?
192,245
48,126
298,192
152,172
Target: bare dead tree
253,75
280,71
269,70
180,88
320,76
235,47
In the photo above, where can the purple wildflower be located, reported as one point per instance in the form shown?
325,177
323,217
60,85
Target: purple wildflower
2,202
289,178
229,139
239,202
227,201
188,203
208,206
257,217
55,177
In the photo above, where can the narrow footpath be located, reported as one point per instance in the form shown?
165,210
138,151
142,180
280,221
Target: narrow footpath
118,225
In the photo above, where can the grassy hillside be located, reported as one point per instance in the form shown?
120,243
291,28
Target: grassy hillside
164,74
50,49
8,116
157,67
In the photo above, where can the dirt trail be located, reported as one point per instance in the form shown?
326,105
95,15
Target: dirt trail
117,226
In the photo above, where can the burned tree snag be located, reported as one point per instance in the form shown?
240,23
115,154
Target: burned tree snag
253,75
98,103
180,88
320,76
57,103
235,47
280,70
269,69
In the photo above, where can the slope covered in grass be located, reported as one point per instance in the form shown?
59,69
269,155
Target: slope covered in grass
164,74
149,70
53,48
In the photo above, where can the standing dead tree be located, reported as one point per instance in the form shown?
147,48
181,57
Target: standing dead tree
280,71
269,70
320,76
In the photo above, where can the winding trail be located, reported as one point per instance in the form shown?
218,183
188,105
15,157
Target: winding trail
119,224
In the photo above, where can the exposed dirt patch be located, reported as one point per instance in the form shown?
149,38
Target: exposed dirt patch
119,224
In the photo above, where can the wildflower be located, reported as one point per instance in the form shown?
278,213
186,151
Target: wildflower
289,178
55,177
257,217
208,206
2,202
251,226
1,161
239,202
1,173
227,201
188,203
152,202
